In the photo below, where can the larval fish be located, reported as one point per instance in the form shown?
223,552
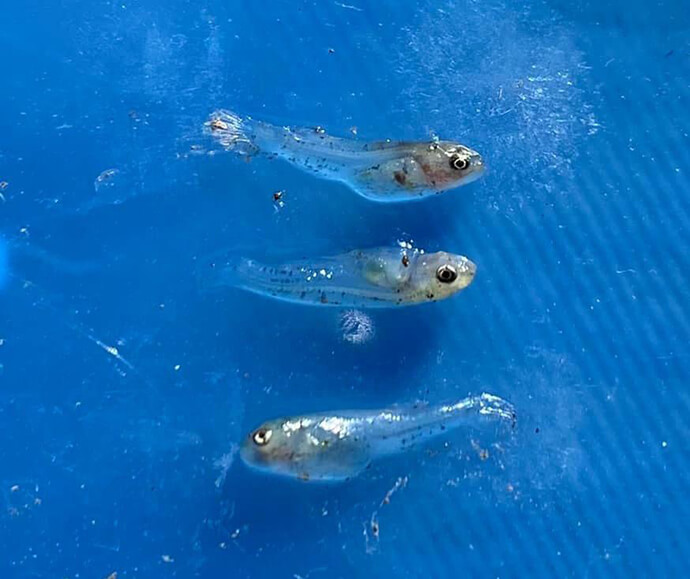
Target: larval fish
381,171
372,278
336,446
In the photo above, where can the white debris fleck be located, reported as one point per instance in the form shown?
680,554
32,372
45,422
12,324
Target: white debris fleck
112,350
104,177
224,463
372,527
356,327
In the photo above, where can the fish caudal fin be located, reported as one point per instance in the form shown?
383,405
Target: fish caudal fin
216,272
484,406
496,407
230,132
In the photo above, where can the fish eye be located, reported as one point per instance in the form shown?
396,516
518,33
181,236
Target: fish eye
446,274
458,163
262,436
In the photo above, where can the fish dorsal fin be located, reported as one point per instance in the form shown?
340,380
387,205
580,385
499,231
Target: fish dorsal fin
387,145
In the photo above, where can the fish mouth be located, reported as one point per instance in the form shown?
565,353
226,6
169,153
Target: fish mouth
251,456
468,270
471,271
476,170
477,164
247,454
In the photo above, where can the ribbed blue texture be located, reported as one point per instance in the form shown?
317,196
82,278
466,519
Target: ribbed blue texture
124,391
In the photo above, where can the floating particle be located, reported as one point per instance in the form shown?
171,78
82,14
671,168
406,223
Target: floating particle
224,463
482,453
371,534
218,125
278,200
356,327
167,559
348,6
372,528
401,483
375,528
106,177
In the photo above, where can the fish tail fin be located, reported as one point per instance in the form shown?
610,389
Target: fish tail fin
221,271
231,132
496,407
484,406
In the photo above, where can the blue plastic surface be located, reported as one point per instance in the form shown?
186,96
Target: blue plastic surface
124,391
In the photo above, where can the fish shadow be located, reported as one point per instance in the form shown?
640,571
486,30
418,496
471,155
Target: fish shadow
276,342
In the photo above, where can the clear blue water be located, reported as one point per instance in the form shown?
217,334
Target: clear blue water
124,391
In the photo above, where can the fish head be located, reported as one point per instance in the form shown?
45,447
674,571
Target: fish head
439,275
309,448
287,446
447,165
270,447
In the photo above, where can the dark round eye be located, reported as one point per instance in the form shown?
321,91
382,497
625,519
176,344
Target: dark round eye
458,163
262,436
446,274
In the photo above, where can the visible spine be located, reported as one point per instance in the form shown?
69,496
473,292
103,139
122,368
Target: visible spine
398,431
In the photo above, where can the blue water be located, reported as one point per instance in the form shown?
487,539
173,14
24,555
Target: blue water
124,391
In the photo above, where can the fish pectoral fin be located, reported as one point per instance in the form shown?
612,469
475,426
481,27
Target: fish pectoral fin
388,273
374,271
